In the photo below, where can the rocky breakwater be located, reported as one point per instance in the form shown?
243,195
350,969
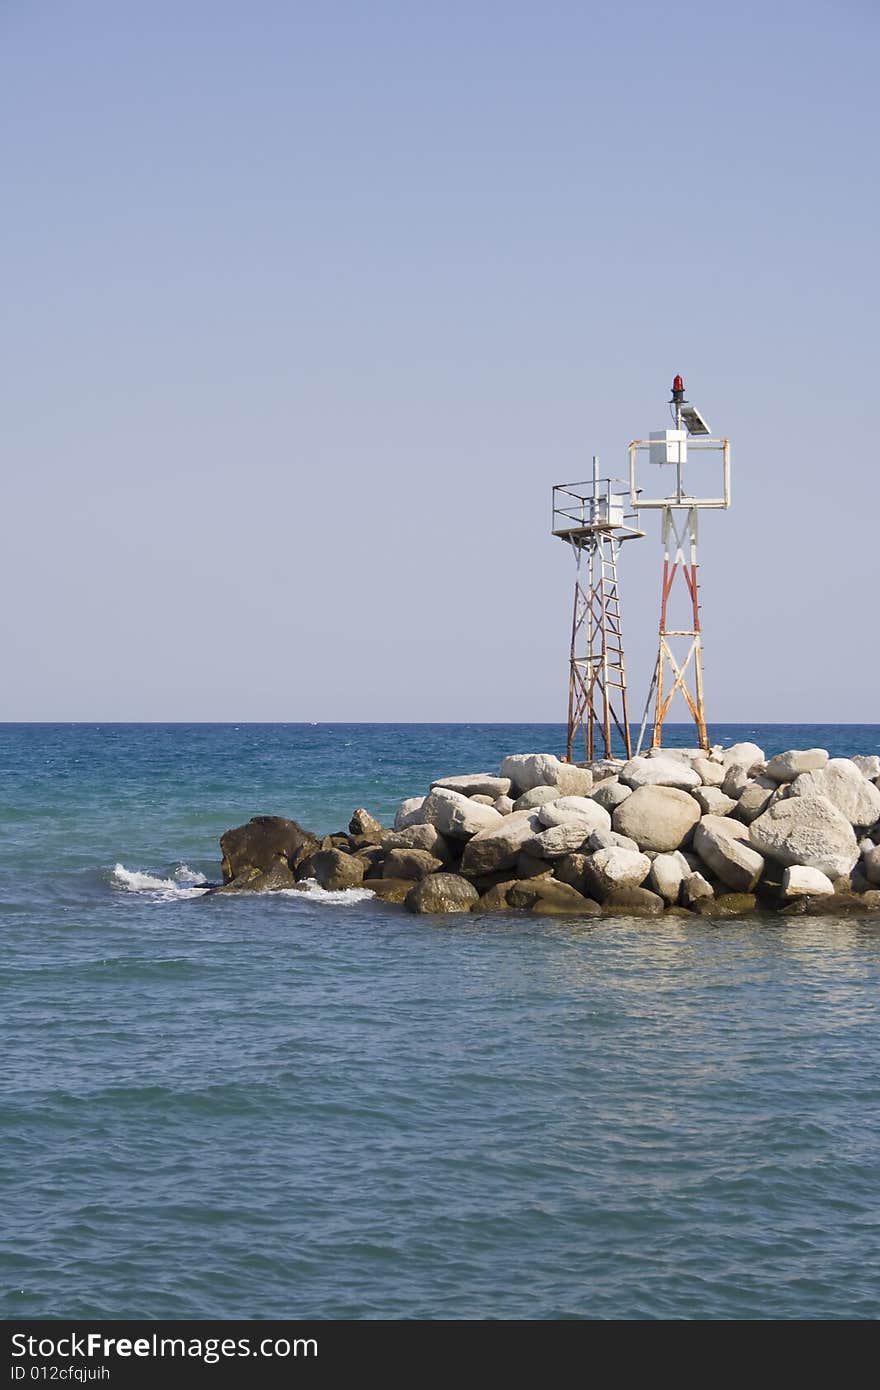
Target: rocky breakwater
675,831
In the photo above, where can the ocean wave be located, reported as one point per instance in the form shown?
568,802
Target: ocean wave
186,883
342,897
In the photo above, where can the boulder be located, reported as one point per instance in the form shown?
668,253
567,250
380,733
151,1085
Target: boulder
456,815
734,828
712,801
736,779
362,823
537,796
659,772
871,899
721,848
491,850
610,793
551,895
710,773
570,808
475,784
262,843
558,840
610,869
694,890
657,817
869,765
841,783
410,863
609,839
503,805
571,869
422,836
574,781
806,830
409,812
745,755
784,767
801,882
527,770
668,872
634,902
442,893
336,870
871,864
755,798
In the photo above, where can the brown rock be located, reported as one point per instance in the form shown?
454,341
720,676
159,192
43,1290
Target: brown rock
336,870
413,864
362,823
442,893
260,844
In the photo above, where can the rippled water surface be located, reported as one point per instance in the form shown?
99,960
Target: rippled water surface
287,1106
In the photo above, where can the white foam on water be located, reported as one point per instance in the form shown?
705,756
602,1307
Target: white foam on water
191,878
185,884
342,897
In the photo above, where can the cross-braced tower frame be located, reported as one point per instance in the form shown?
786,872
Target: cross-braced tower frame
679,665
591,518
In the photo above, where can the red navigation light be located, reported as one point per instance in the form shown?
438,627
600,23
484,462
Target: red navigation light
678,384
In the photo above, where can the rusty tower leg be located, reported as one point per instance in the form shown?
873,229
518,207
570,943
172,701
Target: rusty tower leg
597,703
682,672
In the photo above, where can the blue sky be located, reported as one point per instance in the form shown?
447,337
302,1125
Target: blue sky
308,306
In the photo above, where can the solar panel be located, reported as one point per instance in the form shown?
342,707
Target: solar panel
693,420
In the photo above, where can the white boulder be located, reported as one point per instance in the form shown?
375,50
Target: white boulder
568,808
668,872
499,848
558,840
712,801
720,845
869,765
755,798
659,772
801,882
657,818
806,830
786,766
410,812
617,868
841,782
475,784
528,770
745,755
710,773
457,815
610,793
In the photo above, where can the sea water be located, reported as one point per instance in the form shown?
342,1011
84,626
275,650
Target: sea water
321,1106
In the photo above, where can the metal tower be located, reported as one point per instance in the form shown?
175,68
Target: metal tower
679,665
591,517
